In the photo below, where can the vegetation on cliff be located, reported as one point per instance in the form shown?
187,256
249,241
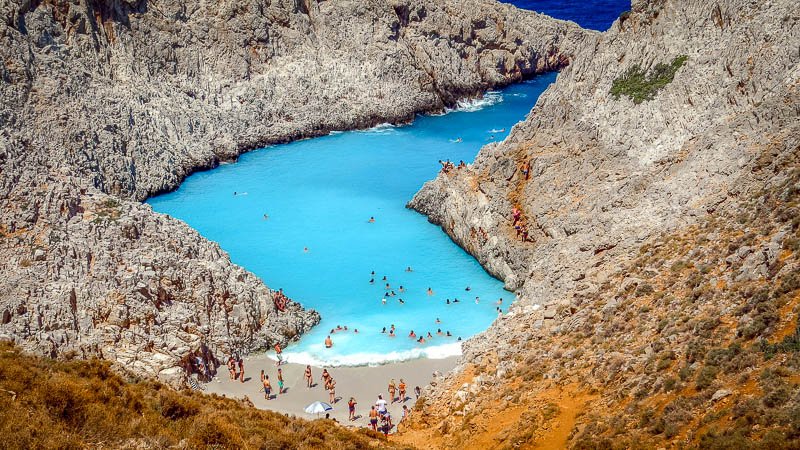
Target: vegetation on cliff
640,85
76,404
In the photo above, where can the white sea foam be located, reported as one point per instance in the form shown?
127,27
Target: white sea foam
380,128
372,359
489,98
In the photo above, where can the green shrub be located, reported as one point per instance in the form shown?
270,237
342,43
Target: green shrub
639,85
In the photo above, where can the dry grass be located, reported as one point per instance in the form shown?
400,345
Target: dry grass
78,404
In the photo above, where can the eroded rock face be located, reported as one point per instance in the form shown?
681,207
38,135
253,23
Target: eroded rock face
606,174
105,102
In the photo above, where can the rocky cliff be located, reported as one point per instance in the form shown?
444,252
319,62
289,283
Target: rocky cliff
105,102
657,182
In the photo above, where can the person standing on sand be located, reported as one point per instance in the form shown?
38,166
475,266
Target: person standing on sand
280,381
241,370
417,391
331,386
232,367
402,387
381,404
392,390
309,379
351,405
373,418
267,385
325,377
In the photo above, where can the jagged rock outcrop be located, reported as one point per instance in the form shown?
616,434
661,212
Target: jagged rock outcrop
124,98
608,175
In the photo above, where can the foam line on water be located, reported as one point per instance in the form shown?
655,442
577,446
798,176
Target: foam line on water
372,359
477,104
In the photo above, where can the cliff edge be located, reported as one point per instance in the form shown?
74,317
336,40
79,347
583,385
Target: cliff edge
656,182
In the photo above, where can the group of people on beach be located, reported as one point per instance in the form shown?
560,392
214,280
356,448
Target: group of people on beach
234,363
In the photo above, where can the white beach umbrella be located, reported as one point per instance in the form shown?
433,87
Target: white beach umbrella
318,407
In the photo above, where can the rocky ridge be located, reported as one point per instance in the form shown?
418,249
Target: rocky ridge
106,102
609,177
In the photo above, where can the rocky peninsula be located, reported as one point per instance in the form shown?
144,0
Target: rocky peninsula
106,102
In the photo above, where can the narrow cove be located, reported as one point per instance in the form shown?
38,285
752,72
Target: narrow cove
297,215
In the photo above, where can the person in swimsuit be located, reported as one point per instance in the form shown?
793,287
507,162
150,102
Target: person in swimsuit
309,380
421,340
392,390
328,342
325,377
351,406
401,301
279,355
417,391
391,333
429,335
373,418
232,367
241,370
383,330
267,385
412,335
448,334
402,388
280,381
371,220
330,385
430,291
409,269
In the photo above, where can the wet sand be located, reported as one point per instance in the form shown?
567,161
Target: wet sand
363,383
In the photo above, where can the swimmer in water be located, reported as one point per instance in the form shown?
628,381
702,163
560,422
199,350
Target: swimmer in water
421,340
383,330
438,321
266,217
408,269
384,278
412,335
401,289
456,301
305,249
430,291
372,281
448,301
371,220
439,331
391,332
499,302
328,342
402,302
429,335
383,300
448,334
468,288
477,300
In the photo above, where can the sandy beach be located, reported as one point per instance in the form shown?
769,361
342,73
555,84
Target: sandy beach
364,383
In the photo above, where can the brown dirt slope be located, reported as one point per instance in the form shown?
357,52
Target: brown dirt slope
695,343
83,404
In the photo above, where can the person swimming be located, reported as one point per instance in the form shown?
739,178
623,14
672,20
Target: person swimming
401,289
383,300
372,281
438,321
430,291
401,301
468,288
305,249
477,300
266,217
391,333
448,334
328,342
421,340
430,336
371,219
499,302
412,334
448,301
383,330
439,331
408,269
456,301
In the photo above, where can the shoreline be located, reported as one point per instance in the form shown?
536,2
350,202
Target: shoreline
362,382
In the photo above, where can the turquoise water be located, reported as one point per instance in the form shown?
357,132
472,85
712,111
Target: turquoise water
319,195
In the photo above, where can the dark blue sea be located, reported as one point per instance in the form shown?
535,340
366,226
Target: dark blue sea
592,14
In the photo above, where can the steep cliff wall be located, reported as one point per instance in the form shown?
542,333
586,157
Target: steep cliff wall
105,102
682,117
